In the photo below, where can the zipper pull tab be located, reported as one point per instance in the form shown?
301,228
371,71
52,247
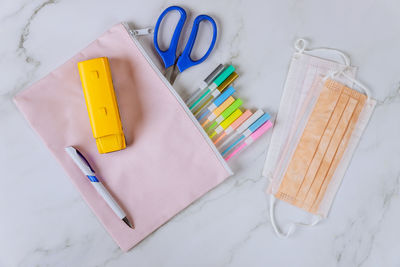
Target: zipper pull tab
144,31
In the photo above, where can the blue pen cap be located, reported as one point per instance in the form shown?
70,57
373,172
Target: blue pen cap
224,96
259,122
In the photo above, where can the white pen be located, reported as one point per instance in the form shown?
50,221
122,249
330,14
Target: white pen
84,166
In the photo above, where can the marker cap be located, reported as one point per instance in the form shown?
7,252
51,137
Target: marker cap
214,74
250,121
220,99
239,121
228,121
228,71
221,108
228,81
259,122
238,102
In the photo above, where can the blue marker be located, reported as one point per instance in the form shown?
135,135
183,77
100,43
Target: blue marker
217,102
252,128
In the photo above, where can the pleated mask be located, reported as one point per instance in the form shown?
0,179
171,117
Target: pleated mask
318,151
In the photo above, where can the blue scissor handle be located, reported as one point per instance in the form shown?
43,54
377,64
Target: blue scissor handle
184,60
169,55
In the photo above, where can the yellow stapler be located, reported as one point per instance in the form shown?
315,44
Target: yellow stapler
102,104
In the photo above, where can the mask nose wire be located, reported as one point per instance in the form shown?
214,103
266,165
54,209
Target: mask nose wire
342,72
358,83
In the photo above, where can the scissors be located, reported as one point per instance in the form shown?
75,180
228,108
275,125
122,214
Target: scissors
171,61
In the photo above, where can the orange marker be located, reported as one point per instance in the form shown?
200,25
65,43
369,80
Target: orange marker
219,110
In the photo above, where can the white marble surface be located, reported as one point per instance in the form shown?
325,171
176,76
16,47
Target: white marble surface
45,222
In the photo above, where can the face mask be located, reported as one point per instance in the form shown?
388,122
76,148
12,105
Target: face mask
303,70
327,131
303,86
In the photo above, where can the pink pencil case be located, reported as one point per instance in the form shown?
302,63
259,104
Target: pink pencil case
169,161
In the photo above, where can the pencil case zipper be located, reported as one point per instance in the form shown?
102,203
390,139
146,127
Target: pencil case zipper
133,33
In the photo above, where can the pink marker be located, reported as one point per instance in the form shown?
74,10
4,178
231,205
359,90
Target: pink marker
253,137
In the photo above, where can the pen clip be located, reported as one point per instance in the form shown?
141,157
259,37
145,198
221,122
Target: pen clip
80,161
84,159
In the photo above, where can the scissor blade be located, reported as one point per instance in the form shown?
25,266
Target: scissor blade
173,76
168,73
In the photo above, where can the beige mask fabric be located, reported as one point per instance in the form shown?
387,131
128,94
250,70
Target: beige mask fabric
321,146
328,135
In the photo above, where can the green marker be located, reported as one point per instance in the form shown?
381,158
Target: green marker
211,88
225,114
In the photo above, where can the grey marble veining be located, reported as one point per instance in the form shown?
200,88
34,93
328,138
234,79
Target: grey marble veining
45,222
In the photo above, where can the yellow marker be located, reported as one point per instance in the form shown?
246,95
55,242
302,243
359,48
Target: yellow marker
219,110
102,104
228,121
225,114
234,125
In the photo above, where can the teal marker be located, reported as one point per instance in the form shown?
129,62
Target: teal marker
225,114
211,88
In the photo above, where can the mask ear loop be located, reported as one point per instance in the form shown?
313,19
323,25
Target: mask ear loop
292,226
301,46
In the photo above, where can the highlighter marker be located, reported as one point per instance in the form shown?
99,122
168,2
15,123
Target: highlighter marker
225,114
216,92
228,71
247,132
217,102
253,137
207,81
219,110
228,121
234,125
240,129
101,104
